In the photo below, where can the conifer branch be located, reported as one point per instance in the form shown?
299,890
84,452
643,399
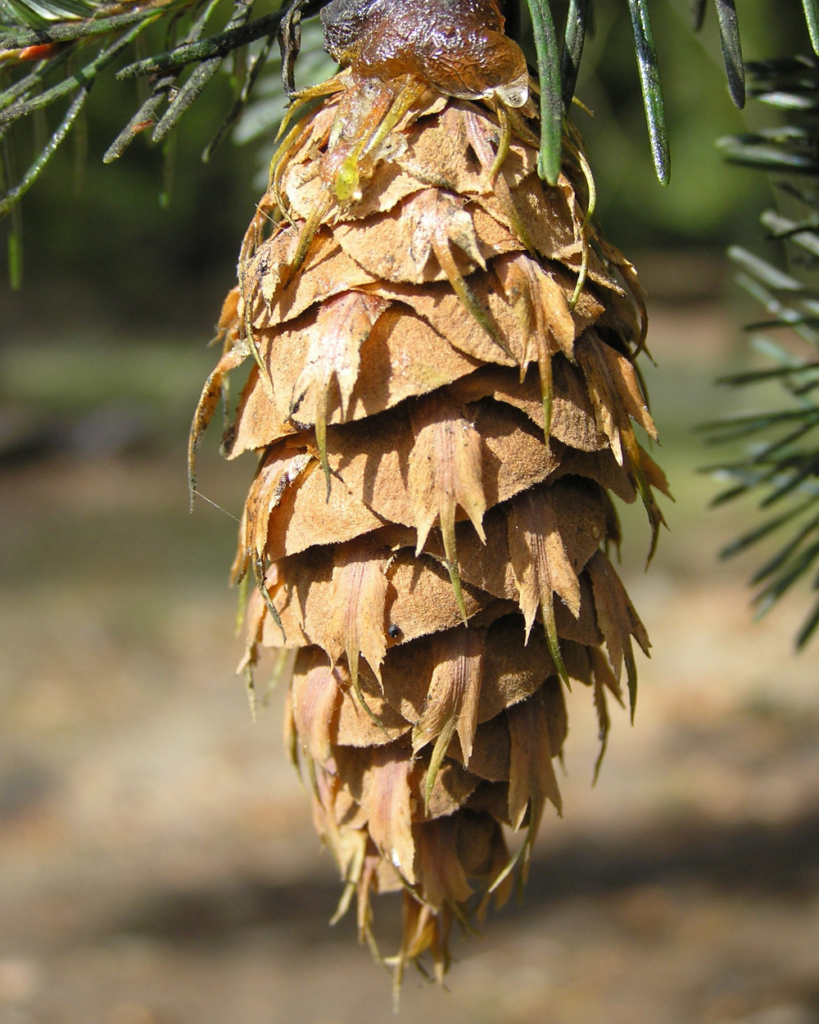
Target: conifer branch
51,33
781,469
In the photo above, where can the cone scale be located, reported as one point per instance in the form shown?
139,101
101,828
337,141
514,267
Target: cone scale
442,397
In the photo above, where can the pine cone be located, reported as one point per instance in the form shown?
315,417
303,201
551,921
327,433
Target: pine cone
442,398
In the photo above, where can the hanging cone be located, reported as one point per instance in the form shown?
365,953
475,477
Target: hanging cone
443,397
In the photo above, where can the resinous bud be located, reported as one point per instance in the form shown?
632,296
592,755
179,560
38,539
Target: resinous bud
457,46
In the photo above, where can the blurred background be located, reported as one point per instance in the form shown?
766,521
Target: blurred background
158,863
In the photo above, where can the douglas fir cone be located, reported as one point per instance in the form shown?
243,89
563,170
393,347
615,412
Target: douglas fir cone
442,400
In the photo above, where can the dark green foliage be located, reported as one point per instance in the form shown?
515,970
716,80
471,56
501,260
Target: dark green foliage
650,84
812,18
731,50
782,467
551,90
576,25
79,39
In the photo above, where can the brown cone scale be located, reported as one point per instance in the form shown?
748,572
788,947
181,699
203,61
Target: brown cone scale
441,415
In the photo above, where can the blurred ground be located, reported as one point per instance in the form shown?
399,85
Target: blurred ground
158,861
